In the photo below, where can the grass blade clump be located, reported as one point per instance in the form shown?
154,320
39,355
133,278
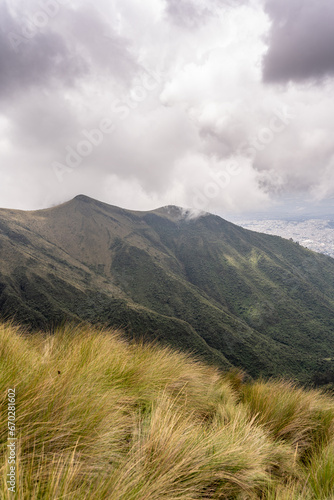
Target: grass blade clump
100,418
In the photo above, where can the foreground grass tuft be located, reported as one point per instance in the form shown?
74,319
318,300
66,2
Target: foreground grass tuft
99,418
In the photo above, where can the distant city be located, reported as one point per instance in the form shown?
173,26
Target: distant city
315,234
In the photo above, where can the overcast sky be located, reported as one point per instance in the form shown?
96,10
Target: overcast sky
225,106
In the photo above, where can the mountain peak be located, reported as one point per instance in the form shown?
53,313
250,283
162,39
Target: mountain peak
172,212
83,197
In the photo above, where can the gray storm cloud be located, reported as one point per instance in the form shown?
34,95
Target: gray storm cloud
33,59
39,49
180,84
301,40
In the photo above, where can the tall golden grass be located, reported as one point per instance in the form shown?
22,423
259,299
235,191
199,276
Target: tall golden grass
99,418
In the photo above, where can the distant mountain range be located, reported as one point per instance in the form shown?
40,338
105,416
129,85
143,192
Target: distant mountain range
198,283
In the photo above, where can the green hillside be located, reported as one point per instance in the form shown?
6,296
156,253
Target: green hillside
235,297
99,418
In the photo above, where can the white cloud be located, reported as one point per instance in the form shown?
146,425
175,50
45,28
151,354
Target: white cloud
185,97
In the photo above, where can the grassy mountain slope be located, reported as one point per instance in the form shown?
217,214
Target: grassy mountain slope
236,297
100,418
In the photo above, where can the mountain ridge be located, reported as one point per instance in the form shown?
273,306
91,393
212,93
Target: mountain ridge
233,296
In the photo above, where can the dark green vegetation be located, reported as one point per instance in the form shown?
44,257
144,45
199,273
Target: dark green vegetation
235,297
